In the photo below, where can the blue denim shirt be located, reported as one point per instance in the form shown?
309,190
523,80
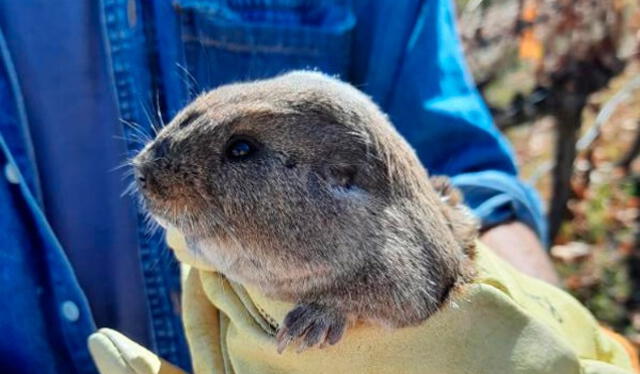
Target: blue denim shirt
74,74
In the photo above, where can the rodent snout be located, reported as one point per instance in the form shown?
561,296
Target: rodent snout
147,163
143,176
148,166
153,181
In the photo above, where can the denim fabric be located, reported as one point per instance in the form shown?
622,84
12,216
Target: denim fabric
71,70
137,82
258,39
67,94
45,318
13,121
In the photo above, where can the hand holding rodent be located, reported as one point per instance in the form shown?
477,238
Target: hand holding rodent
301,187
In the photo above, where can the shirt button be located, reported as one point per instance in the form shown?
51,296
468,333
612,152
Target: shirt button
11,173
70,311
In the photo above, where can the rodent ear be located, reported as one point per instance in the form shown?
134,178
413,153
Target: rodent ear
341,175
448,193
463,224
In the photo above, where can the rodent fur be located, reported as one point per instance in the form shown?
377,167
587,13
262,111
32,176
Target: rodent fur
333,212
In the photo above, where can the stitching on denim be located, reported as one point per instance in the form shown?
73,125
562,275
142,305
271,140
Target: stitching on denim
239,47
120,38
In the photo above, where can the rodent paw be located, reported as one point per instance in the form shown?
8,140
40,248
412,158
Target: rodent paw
309,325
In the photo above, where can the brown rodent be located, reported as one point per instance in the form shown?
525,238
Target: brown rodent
301,187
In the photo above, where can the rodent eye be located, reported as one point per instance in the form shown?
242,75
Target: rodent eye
240,149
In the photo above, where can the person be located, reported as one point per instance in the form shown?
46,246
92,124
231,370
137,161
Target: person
82,84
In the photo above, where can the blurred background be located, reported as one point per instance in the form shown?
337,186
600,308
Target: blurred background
562,79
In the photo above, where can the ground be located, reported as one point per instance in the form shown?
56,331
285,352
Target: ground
593,251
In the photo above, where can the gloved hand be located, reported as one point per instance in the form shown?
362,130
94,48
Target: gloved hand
114,353
503,323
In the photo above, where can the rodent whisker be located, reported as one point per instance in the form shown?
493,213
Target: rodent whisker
152,226
126,174
154,126
158,112
139,131
131,189
189,81
135,138
124,164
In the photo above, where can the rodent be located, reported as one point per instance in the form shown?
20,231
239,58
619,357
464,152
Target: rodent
300,186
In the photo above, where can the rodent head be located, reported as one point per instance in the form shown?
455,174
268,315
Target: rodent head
295,179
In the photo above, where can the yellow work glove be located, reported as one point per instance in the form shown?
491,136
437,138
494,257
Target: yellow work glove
114,353
504,322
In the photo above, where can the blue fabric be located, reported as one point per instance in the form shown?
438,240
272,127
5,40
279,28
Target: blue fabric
73,122
37,283
71,70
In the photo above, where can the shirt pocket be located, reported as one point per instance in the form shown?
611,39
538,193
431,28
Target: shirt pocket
232,40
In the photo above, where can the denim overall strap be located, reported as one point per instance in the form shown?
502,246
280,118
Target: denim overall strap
129,32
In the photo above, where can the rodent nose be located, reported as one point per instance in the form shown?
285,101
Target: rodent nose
142,181
141,177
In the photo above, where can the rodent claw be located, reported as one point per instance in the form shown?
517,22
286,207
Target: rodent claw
317,332
283,339
311,325
335,331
